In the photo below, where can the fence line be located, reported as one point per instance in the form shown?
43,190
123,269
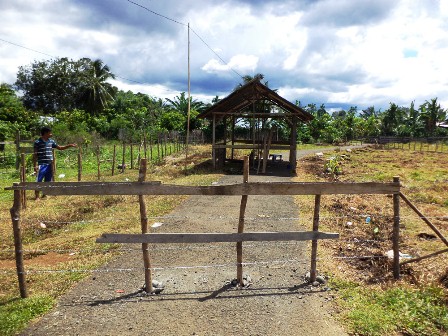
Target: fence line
243,189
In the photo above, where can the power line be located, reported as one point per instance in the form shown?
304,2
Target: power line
215,53
158,14
21,46
183,24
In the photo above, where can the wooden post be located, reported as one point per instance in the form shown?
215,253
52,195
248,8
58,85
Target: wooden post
293,146
53,166
313,271
396,232
165,139
158,148
15,217
17,150
123,162
98,162
23,179
150,148
113,159
413,207
214,141
239,245
232,153
144,225
79,164
132,156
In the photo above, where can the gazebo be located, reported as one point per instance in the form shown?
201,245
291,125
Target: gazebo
258,106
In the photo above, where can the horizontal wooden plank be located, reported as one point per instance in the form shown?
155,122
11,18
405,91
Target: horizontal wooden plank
164,238
156,188
26,150
249,146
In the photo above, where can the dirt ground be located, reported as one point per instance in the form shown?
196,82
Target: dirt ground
199,300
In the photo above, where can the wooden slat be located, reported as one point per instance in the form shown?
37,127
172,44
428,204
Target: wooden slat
164,238
156,188
26,150
249,146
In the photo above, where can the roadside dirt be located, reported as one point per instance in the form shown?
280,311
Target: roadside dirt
199,300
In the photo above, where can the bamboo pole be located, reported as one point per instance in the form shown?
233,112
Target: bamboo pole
239,245
396,232
313,271
144,226
113,159
15,217
413,207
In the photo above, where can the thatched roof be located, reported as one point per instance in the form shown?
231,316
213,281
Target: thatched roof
238,102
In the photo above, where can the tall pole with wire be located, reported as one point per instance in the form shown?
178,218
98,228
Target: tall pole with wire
189,103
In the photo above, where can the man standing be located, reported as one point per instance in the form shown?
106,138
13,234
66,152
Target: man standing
43,156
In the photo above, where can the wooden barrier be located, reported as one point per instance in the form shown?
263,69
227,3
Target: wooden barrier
244,189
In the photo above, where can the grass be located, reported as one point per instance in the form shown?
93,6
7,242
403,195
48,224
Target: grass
66,241
17,313
371,302
399,308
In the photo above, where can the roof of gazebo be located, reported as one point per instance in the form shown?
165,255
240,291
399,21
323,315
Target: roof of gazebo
235,104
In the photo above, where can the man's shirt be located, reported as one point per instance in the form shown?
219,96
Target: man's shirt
44,150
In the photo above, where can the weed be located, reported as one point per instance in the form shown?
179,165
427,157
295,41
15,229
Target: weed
16,313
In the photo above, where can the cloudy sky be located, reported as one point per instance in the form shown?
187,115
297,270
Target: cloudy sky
341,53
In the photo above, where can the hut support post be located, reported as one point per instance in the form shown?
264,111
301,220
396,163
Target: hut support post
15,217
396,233
233,138
293,146
239,245
214,142
144,226
313,271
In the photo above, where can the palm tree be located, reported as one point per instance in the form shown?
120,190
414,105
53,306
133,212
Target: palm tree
97,94
431,113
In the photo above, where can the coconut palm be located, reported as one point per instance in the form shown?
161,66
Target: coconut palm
431,113
97,93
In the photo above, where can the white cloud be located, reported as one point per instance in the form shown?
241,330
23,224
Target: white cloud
243,63
323,52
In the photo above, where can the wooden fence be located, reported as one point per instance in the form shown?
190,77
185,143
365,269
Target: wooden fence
245,189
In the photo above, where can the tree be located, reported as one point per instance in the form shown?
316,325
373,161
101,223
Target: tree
180,104
13,115
97,94
62,84
431,113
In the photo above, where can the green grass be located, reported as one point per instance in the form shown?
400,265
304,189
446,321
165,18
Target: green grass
15,314
72,224
400,309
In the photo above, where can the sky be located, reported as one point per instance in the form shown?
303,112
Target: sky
338,53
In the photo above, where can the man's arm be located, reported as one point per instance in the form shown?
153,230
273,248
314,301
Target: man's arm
66,146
